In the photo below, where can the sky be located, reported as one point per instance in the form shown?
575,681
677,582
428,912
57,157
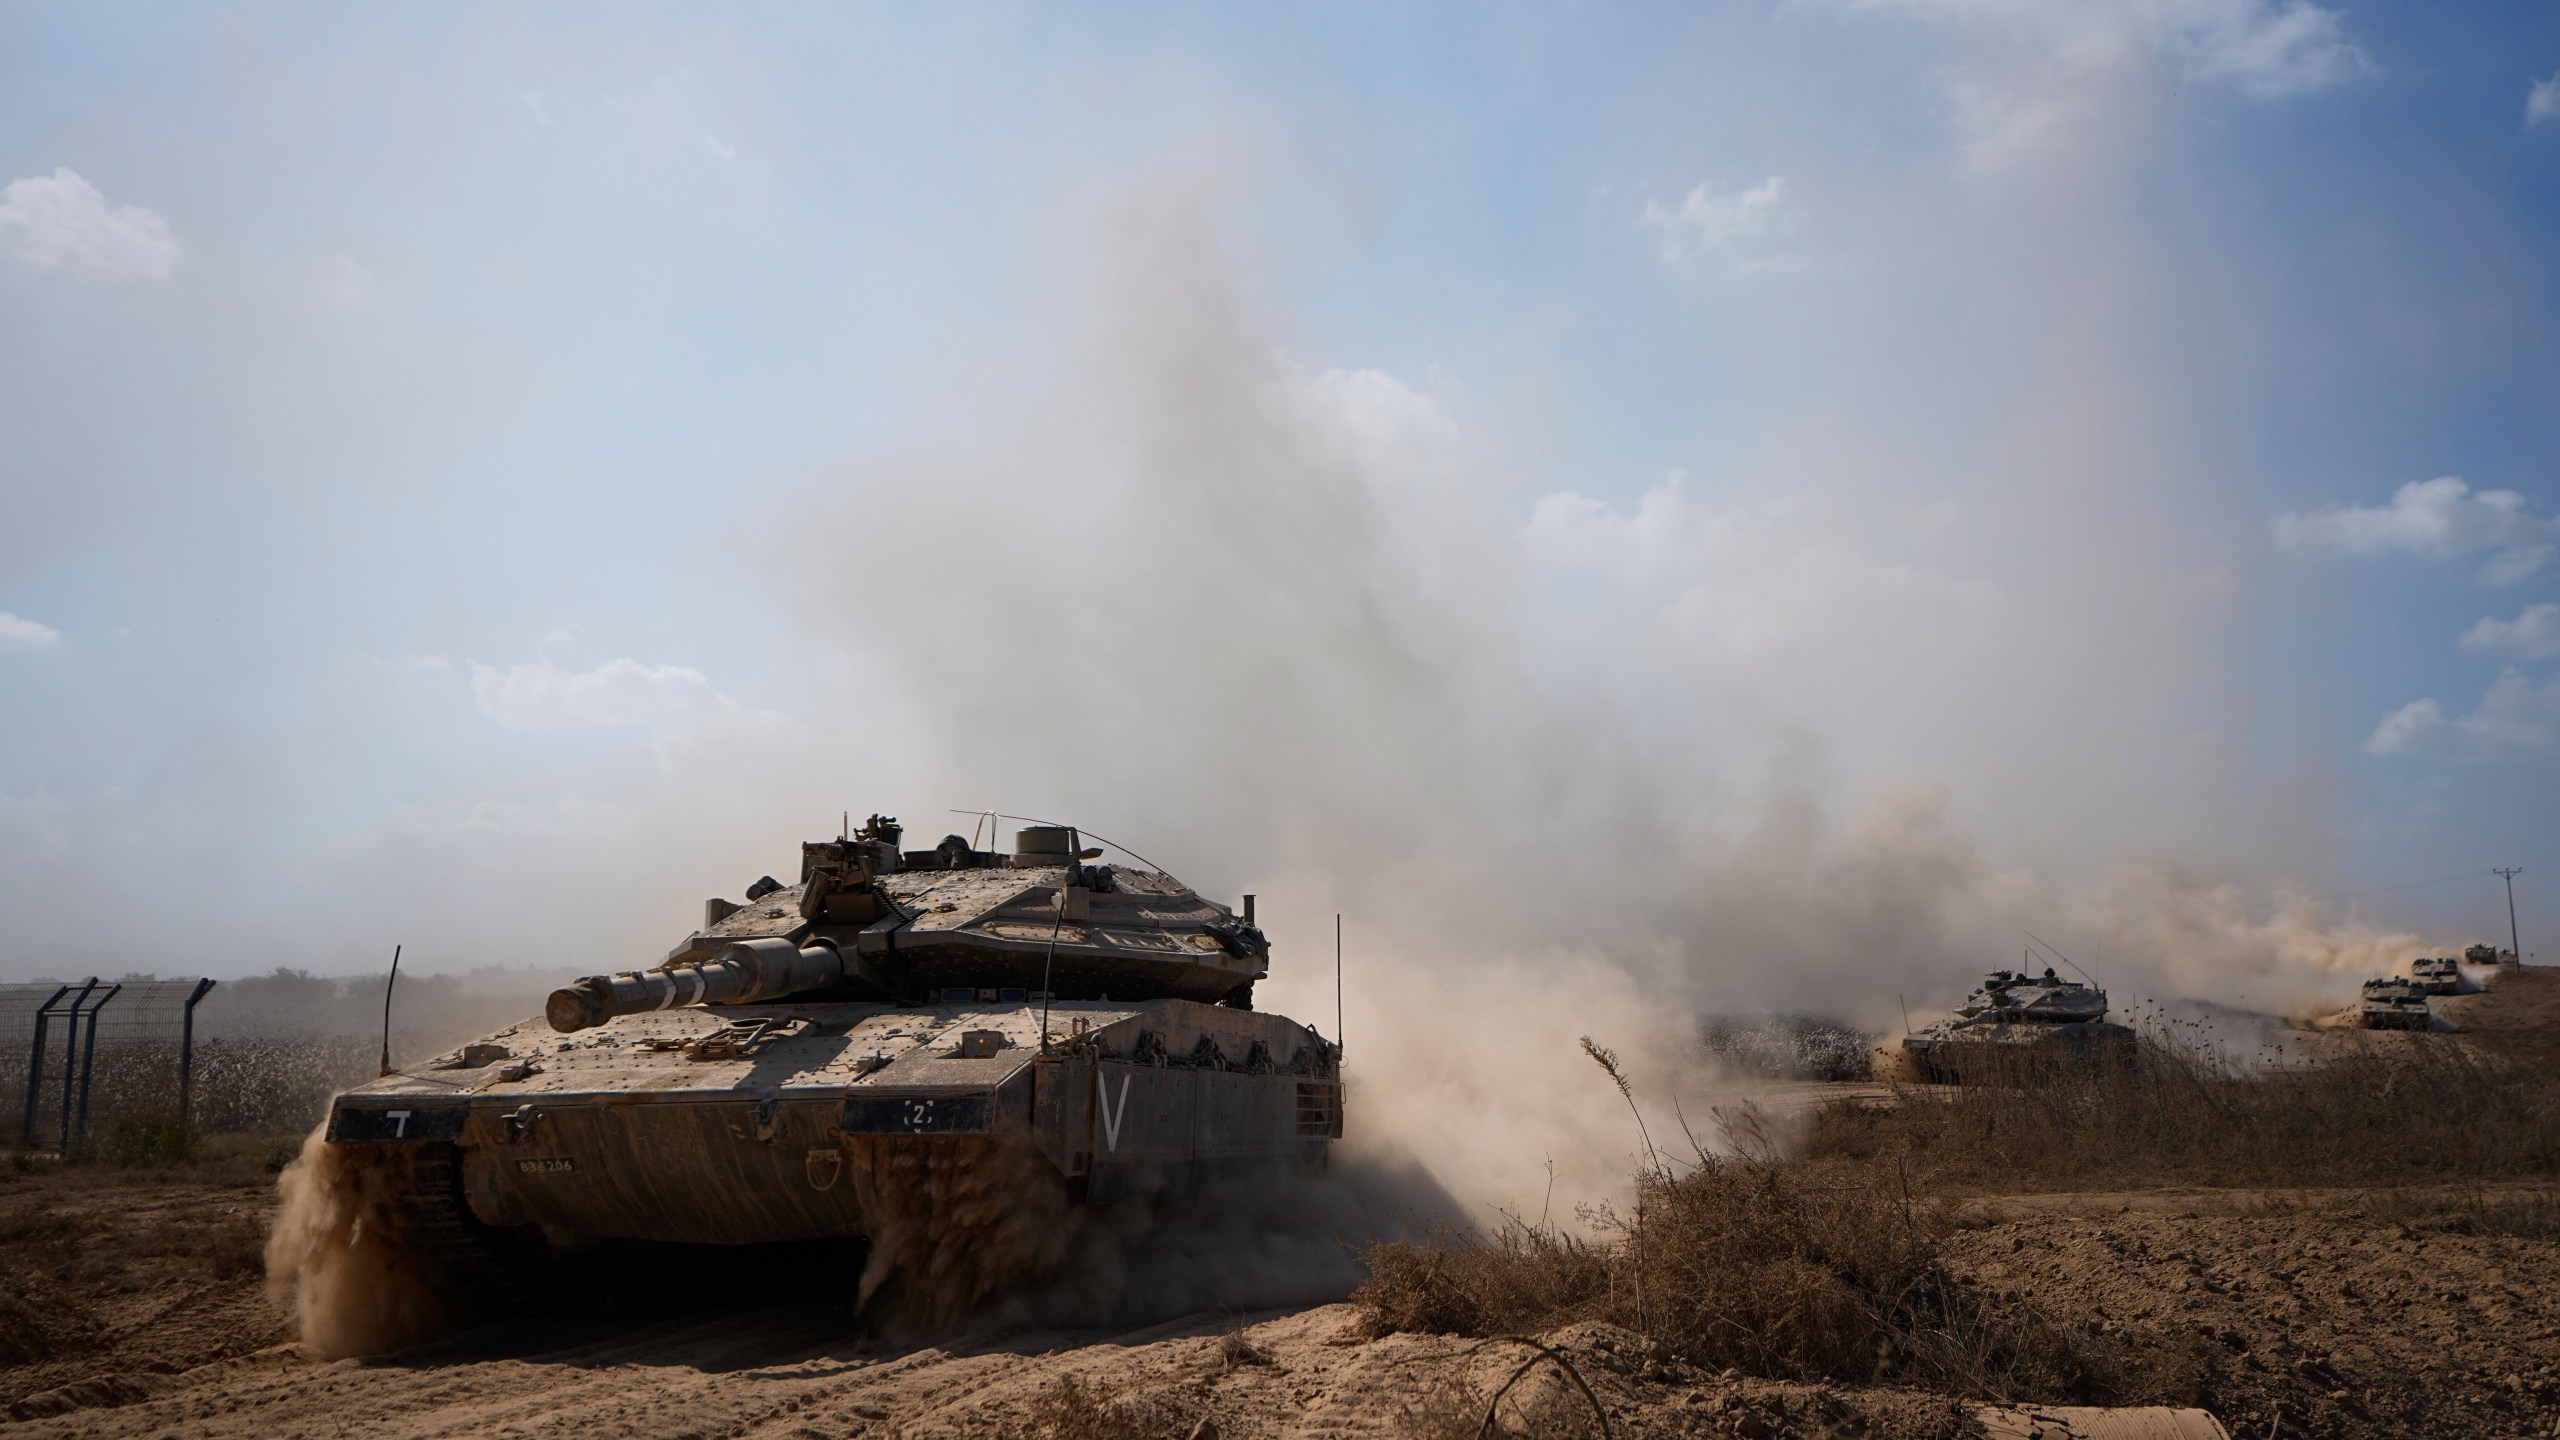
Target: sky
1645,509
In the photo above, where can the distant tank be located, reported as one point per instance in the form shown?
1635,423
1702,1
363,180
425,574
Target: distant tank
840,1056
2437,976
2394,1004
2016,1022
2487,955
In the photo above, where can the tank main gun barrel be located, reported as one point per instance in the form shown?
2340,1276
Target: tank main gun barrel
746,972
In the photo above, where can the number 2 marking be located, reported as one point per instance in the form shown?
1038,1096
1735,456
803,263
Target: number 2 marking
401,1133
919,1114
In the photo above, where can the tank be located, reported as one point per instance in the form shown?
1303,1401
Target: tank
2394,1004
2016,1023
834,1057
2487,955
2439,975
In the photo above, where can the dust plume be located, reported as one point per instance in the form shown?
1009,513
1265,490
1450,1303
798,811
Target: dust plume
986,1235
1267,617
341,1253
2213,940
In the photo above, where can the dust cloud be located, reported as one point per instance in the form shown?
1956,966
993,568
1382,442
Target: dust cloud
342,1255
985,1235
1263,621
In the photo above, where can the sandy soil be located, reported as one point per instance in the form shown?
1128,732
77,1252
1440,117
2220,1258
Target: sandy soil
2273,1306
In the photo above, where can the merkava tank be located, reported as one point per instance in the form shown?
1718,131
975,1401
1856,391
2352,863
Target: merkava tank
2436,975
840,1056
2016,1024
2394,1004
2487,955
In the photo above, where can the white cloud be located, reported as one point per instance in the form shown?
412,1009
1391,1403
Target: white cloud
1660,536
342,282
20,633
1750,227
61,222
2050,51
2515,715
2542,102
2262,50
2407,729
618,693
2533,635
2439,519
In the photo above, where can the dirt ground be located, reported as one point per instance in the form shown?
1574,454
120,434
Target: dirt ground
132,1304
135,1309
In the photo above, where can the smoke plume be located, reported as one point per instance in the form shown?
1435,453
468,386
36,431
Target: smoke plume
1262,620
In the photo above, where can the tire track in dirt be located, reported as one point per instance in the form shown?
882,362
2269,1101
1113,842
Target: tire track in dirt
722,1377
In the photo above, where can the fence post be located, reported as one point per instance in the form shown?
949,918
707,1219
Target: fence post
70,1041
35,1068
187,1053
88,1066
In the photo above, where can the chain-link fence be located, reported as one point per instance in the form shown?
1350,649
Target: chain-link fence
83,1053
258,1054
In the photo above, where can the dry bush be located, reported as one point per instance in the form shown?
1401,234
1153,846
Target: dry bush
1750,1263
2178,1112
1236,1349
1072,1409
1522,1277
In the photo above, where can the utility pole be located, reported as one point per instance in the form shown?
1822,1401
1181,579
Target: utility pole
2515,946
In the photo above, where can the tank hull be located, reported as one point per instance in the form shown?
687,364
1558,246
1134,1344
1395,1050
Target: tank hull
751,1124
1979,1053
2400,1015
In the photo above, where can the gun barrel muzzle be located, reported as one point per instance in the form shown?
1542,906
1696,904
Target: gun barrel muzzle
749,971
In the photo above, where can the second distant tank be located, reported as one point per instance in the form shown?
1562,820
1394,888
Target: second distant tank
2394,1004
2016,1022
2439,975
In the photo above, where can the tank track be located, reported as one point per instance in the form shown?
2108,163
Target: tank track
477,1267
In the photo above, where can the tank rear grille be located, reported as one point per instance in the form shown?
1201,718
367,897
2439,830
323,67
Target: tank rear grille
1319,1111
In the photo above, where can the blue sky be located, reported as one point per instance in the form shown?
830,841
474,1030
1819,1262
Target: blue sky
487,478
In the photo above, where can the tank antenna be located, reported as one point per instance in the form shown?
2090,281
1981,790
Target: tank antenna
1049,963
1337,989
1906,1013
386,1010
2065,959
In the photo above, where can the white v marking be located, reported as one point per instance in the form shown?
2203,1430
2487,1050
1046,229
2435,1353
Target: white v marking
1111,1114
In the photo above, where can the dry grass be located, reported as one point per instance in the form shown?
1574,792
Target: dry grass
1827,1262
2178,1114
1074,1409
1752,1263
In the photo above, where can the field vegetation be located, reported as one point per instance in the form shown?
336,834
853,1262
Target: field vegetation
1839,1247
